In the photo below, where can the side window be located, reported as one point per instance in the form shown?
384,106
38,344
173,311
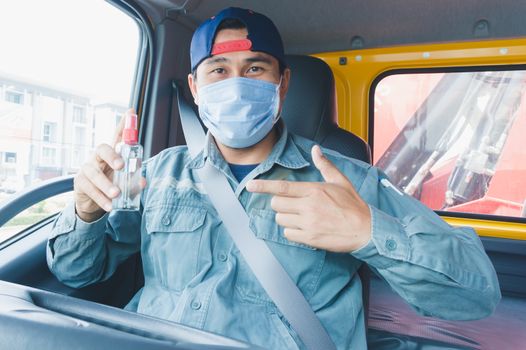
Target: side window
65,77
15,97
455,140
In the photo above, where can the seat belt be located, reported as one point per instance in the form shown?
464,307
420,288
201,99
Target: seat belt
271,275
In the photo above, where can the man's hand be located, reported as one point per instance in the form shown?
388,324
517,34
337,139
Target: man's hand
328,215
93,186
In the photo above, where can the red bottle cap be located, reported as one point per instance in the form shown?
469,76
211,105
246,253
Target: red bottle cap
130,133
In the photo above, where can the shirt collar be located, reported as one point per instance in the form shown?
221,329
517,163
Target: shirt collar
285,153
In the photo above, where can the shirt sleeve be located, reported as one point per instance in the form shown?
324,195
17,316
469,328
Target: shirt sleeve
81,253
439,270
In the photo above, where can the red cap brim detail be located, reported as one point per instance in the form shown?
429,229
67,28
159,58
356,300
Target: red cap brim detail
231,46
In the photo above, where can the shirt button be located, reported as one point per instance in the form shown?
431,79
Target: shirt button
166,221
390,244
222,257
196,305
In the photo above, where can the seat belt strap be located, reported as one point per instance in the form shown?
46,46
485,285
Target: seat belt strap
271,275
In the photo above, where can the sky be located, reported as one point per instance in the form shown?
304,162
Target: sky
84,46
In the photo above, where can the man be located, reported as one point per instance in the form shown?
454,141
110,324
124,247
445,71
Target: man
322,215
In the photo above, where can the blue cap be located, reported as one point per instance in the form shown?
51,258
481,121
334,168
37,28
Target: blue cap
262,36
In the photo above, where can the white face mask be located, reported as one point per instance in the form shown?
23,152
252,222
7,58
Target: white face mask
239,112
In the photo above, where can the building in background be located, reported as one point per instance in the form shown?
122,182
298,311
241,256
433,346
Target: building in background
48,132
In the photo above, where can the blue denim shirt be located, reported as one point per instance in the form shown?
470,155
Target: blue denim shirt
195,275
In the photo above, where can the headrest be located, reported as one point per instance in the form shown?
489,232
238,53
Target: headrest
309,105
310,108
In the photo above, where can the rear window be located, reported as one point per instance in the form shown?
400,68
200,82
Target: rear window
455,140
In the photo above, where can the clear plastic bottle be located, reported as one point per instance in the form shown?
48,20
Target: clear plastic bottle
128,178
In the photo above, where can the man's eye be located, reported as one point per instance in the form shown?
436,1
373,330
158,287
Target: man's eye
255,69
218,71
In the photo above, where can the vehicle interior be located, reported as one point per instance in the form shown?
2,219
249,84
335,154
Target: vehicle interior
342,55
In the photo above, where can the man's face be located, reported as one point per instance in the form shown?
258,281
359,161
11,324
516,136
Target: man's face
247,64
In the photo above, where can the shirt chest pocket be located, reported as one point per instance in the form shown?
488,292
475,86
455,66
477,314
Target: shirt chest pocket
302,263
171,249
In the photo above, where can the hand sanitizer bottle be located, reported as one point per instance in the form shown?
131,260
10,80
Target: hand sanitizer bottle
128,178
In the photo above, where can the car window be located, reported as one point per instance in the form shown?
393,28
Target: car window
455,140
66,75
34,214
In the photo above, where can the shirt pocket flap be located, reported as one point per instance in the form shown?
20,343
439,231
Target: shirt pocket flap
174,219
263,224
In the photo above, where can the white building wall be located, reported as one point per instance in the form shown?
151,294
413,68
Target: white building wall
25,130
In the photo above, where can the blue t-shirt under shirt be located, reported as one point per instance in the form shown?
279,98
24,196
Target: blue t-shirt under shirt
241,170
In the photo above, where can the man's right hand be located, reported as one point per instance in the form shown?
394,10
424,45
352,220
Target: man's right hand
93,185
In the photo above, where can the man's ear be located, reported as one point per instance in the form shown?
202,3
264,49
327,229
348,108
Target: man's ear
284,87
193,87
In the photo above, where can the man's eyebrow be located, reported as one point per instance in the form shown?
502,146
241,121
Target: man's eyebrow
217,59
259,59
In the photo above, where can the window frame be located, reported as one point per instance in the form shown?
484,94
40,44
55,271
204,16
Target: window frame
455,69
17,93
7,155
44,161
52,132
82,115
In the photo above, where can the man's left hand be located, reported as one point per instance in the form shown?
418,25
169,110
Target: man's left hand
328,215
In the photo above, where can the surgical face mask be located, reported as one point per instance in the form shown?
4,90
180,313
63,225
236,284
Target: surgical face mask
239,112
